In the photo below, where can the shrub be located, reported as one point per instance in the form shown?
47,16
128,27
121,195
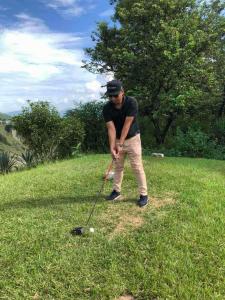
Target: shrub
39,126
28,159
8,128
71,136
195,143
7,162
218,131
3,139
90,114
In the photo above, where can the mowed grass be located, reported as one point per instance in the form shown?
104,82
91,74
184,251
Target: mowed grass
172,249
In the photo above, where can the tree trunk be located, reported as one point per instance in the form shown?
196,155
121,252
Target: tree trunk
157,132
160,134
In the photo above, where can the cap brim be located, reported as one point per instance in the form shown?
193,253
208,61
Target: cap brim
114,93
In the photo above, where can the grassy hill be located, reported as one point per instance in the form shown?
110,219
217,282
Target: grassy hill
172,249
8,142
4,116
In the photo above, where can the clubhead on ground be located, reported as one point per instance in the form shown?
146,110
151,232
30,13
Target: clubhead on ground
77,231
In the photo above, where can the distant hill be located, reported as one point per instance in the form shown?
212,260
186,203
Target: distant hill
14,113
8,142
4,116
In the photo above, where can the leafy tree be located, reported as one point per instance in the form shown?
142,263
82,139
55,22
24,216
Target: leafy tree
71,135
45,133
165,53
39,125
90,115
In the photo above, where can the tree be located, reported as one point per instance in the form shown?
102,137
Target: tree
45,133
164,52
71,135
39,125
91,117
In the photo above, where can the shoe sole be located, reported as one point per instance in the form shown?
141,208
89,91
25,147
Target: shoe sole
114,198
142,205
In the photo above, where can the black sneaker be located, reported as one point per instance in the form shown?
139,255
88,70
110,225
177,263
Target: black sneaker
113,196
142,201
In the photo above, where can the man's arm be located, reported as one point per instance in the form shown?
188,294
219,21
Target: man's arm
126,127
112,138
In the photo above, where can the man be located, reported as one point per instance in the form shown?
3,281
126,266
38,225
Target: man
120,115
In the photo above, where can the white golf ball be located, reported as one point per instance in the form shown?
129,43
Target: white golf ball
110,175
92,229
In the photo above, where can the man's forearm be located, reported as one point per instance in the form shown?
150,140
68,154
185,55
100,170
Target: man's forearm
125,129
112,137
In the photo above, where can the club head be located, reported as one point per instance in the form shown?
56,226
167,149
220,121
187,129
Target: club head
77,231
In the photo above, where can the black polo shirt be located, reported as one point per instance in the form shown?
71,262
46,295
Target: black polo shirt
118,116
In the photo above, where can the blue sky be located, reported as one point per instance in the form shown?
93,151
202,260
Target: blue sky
41,51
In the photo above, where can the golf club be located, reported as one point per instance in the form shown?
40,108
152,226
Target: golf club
81,230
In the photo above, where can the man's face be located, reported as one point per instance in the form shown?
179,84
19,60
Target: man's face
117,99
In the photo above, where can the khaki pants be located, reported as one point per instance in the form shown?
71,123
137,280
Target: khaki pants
132,147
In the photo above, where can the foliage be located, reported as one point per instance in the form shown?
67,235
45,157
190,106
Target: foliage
218,131
76,150
71,136
45,133
90,115
8,161
28,159
39,125
8,127
167,53
3,139
191,143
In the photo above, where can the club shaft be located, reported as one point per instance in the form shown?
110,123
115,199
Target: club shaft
100,191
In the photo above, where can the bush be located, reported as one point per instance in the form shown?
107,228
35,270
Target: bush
28,159
4,140
71,136
195,143
8,128
90,114
7,162
218,131
39,126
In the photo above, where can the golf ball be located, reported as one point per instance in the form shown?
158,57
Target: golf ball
110,175
92,229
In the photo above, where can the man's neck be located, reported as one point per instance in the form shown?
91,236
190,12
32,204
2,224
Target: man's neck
119,106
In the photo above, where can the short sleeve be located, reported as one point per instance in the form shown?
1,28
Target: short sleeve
132,109
106,114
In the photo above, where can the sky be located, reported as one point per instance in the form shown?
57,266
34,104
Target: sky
41,51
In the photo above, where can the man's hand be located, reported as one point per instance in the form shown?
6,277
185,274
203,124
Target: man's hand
119,148
114,153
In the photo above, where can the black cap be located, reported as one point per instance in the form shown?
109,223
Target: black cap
113,87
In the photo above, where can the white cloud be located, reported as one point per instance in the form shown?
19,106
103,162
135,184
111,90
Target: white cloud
70,8
93,86
28,23
107,13
38,64
39,55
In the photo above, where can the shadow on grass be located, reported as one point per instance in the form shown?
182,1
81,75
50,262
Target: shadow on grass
55,201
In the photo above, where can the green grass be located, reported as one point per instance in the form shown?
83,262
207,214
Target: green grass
176,250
